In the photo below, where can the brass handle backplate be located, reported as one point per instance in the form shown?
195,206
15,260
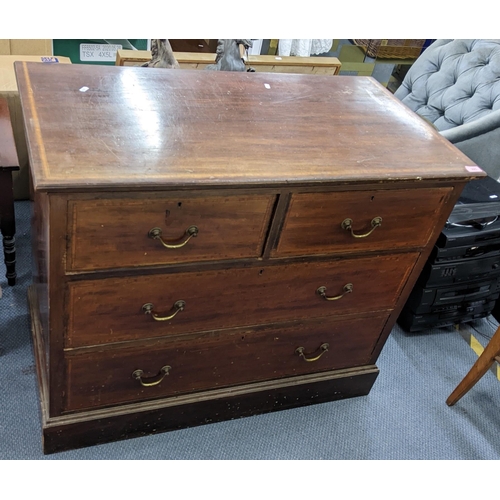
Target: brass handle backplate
300,351
150,382
178,306
347,225
155,233
348,288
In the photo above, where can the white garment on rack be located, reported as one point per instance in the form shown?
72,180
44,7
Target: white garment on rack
256,47
303,47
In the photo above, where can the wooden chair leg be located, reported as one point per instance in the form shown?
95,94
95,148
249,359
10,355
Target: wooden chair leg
480,367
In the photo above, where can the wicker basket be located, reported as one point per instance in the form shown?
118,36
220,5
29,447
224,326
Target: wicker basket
392,48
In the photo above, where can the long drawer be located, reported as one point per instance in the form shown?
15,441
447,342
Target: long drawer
214,360
366,221
110,234
130,308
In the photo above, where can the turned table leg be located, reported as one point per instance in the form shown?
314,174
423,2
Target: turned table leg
8,225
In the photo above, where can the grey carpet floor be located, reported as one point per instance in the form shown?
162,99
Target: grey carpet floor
404,416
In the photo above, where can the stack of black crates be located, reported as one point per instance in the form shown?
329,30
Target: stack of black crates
461,279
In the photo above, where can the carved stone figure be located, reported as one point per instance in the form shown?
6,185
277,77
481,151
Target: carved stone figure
162,55
228,56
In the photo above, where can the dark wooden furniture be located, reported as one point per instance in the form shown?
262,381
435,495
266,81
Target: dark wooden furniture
222,246
8,164
192,45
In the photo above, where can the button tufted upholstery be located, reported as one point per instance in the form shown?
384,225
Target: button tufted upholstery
455,84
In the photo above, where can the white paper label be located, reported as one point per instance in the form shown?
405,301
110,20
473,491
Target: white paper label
94,52
473,169
49,59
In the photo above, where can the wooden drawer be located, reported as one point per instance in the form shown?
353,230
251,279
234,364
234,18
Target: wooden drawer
111,310
313,224
107,234
216,360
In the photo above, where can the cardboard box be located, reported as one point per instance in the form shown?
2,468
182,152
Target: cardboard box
26,47
8,89
4,47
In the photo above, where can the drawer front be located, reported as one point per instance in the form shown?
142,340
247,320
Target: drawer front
112,310
107,234
217,360
313,223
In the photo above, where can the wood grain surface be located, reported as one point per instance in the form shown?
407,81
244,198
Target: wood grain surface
103,229
215,360
314,220
267,166
94,127
110,310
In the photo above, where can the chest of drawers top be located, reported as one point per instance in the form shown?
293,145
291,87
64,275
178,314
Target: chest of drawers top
126,128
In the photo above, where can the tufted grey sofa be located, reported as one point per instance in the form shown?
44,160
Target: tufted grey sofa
455,84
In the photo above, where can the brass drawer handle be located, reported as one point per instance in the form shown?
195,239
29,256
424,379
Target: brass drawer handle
300,351
178,306
137,374
347,225
155,233
348,288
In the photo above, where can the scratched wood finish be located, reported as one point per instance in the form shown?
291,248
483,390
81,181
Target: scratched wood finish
140,129
217,360
102,229
110,310
86,428
263,170
313,222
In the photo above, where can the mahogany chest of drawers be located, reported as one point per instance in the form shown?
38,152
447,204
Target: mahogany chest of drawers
215,245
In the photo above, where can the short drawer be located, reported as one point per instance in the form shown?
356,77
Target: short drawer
330,223
216,360
108,234
132,308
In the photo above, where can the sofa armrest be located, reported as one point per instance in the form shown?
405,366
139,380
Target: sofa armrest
473,129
